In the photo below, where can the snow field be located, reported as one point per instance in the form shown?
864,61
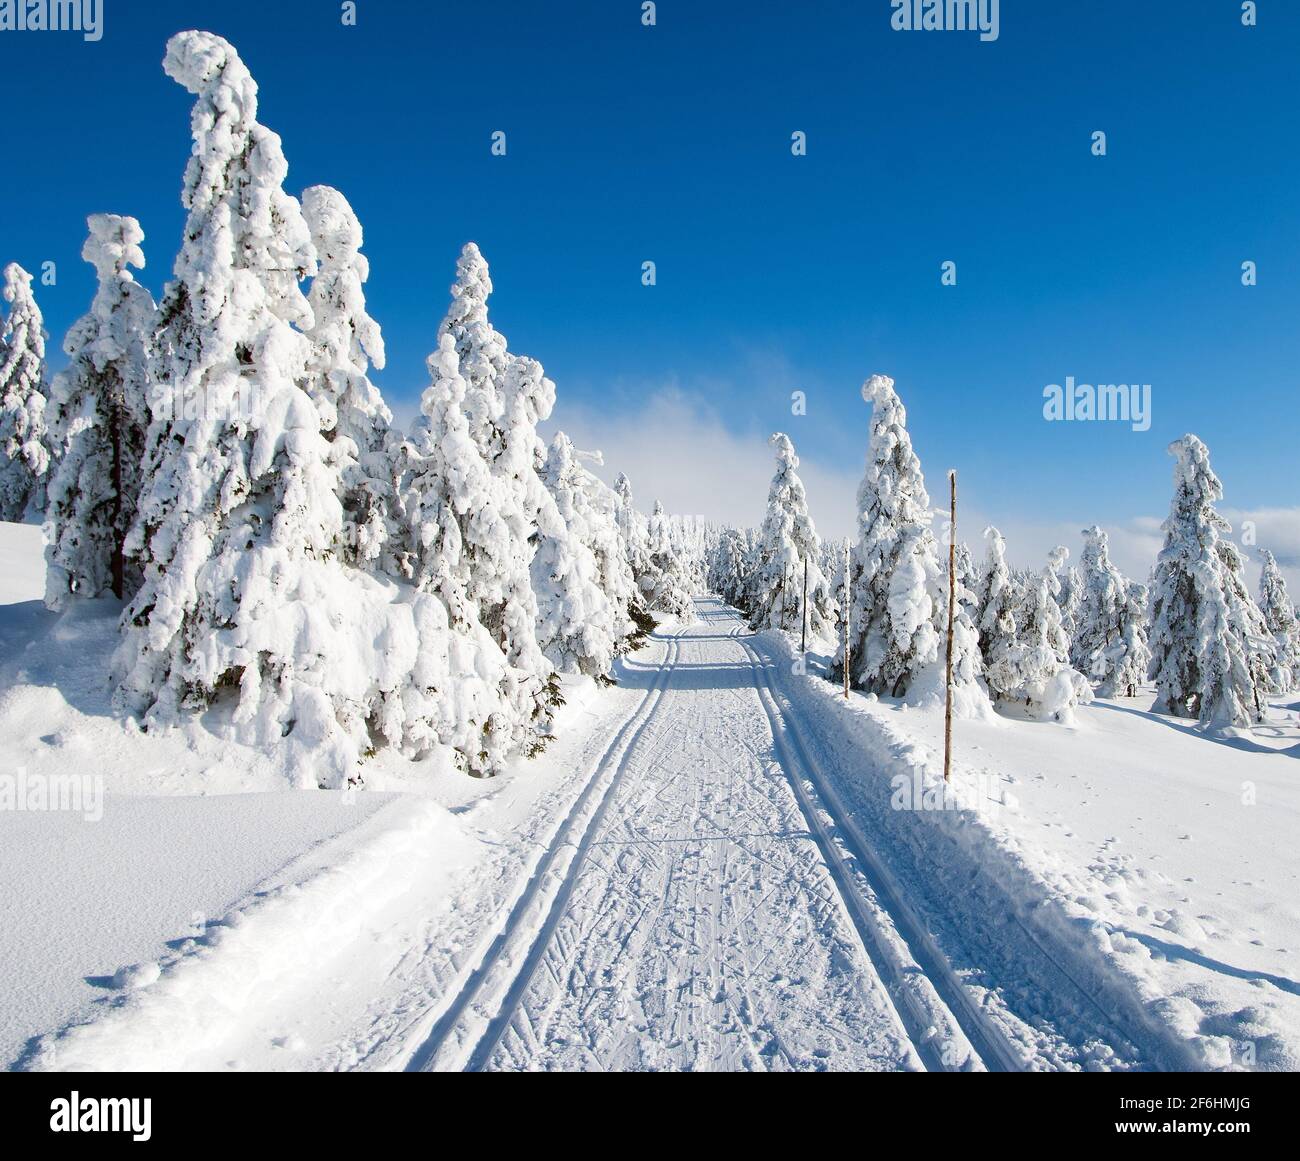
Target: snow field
1065,931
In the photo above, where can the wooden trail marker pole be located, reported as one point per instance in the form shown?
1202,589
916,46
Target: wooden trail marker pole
804,648
952,603
848,613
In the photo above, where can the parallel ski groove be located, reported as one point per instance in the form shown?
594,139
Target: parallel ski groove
427,1054
988,1043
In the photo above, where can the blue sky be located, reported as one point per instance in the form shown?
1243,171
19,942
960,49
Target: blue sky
776,273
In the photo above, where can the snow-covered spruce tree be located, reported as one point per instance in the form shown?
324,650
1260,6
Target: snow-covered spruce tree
579,623
598,507
900,600
1280,620
687,536
246,605
1136,650
966,581
1049,687
24,454
998,600
665,586
728,566
1071,585
632,527
1210,656
506,396
562,569
345,342
1109,646
460,533
650,552
99,414
790,554
484,354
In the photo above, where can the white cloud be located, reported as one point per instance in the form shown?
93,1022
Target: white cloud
677,449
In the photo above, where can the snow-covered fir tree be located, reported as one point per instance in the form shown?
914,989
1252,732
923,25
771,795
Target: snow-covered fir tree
665,586
1109,645
99,415
483,351
1211,658
688,537
966,580
506,396
1071,585
900,598
896,560
597,508
1050,687
998,600
24,452
1280,620
790,555
459,532
345,342
581,623
728,565
632,527
576,628
1136,649
662,583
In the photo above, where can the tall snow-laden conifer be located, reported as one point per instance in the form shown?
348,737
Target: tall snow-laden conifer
896,562
665,585
1071,586
24,451
1049,686
632,527
582,622
598,507
456,530
789,544
1210,653
900,596
345,342
1109,646
99,415
505,398
728,567
998,599
1280,620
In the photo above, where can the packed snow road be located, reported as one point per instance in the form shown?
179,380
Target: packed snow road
700,914
704,873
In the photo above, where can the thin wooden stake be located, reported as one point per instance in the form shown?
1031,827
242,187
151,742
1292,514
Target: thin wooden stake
952,604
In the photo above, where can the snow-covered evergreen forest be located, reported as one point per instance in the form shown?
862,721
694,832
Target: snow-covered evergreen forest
1038,643
651,790
221,462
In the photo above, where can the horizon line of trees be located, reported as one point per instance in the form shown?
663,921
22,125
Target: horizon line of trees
1045,641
